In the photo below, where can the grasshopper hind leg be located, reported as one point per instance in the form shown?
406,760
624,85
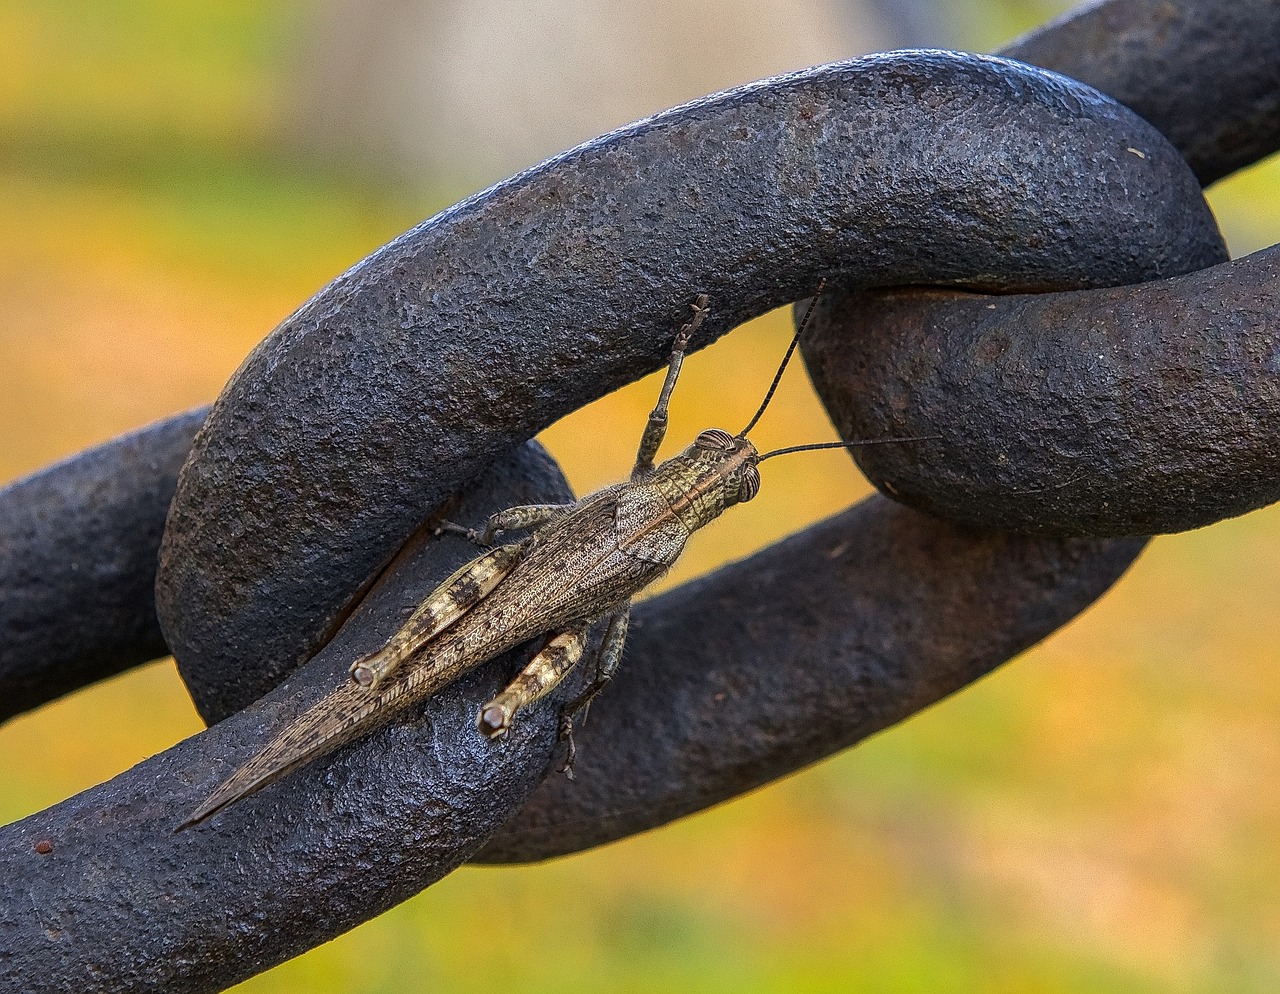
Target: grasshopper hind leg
539,677
447,603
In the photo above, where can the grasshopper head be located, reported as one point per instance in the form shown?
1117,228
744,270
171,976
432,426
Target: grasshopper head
733,458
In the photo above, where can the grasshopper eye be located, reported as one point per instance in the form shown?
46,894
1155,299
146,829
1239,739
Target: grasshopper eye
715,438
749,485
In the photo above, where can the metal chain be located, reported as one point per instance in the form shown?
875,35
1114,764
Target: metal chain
478,328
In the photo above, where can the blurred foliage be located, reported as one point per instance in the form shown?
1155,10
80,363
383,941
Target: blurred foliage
1094,817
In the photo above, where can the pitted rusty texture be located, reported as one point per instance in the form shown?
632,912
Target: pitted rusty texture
1103,412
804,649
78,548
127,904
361,412
1206,73
1139,51
683,728
1140,412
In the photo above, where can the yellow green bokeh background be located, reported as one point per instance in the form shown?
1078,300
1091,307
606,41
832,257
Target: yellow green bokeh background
1100,815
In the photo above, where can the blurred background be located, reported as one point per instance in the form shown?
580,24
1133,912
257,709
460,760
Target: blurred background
176,176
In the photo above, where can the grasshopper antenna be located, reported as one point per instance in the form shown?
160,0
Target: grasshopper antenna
795,340
846,445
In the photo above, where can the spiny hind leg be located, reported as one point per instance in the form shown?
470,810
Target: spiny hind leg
656,429
521,518
443,606
542,674
615,637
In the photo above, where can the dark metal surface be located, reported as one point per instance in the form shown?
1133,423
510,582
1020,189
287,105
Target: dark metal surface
1137,411
364,409
1103,412
804,649
1134,50
78,544
1205,72
122,903
881,608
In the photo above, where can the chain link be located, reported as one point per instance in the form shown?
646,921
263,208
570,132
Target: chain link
480,327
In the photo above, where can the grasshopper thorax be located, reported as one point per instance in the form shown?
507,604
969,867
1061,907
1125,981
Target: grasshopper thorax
717,471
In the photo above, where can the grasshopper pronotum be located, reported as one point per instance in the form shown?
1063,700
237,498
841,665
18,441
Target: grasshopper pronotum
579,564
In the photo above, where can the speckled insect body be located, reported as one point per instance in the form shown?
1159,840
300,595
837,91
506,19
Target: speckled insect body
581,563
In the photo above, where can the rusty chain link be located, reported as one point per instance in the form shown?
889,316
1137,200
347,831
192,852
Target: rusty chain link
1090,413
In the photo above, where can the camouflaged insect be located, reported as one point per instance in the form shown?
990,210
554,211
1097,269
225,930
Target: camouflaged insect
581,563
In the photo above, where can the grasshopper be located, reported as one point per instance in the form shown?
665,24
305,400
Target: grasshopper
579,564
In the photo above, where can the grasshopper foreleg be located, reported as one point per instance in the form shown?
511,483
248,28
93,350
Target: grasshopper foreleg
615,637
656,428
449,602
543,672
521,518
